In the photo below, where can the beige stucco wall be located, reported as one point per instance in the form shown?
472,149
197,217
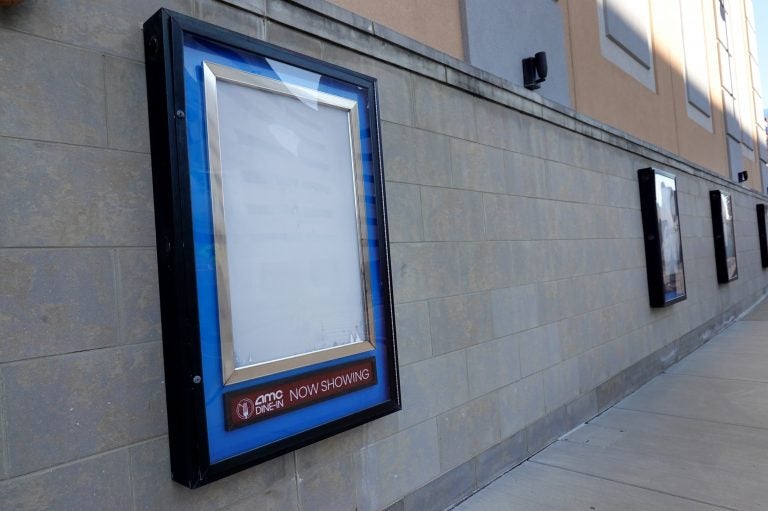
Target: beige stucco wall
707,148
599,88
603,91
436,23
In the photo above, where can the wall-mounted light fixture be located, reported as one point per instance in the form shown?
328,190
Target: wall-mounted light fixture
743,176
534,70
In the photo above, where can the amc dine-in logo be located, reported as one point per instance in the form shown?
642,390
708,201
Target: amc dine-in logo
245,407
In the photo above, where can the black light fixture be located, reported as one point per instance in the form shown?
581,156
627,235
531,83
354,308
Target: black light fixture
535,70
743,176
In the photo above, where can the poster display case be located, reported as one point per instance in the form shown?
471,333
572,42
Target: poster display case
663,240
762,234
724,236
275,285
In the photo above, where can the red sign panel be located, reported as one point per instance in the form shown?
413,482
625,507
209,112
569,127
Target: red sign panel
243,407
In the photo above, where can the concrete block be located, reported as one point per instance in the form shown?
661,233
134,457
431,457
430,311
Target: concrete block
582,409
546,430
613,356
138,295
56,301
3,449
73,111
400,464
335,12
534,261
413,45
335,484
397,506
568,183
390,49
382,428
460,321
501,127
544,139
414,341
394,84
614,389
492,365
343,444
525,175
356,35
498,459
444,491
620,192
443,109
539,348
127,122
565,258
232,18
102,482
114,28
478,167
513,218
404,212
520,404
97,400
491,123
254,6
424,270
580,333
452,215
559,299
592,370
514,309
468,430
271,486
561,383
560,220
415,156
58,195
291,39
491,265
432,387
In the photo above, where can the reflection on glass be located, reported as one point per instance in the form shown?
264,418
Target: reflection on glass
286,195
729,236
292,240
669,234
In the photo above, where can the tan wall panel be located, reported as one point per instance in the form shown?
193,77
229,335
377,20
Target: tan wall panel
436,23
607,93
694,142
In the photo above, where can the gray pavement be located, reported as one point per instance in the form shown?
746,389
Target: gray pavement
693,438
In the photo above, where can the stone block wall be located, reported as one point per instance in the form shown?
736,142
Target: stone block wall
517,258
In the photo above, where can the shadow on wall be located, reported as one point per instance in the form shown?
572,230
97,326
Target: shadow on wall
673,77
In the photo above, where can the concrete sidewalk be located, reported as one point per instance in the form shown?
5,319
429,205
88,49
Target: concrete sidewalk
693,438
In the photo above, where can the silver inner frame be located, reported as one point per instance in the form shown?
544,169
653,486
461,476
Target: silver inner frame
211,74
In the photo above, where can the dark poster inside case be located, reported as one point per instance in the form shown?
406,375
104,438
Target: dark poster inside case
724,236
663,240
762,234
